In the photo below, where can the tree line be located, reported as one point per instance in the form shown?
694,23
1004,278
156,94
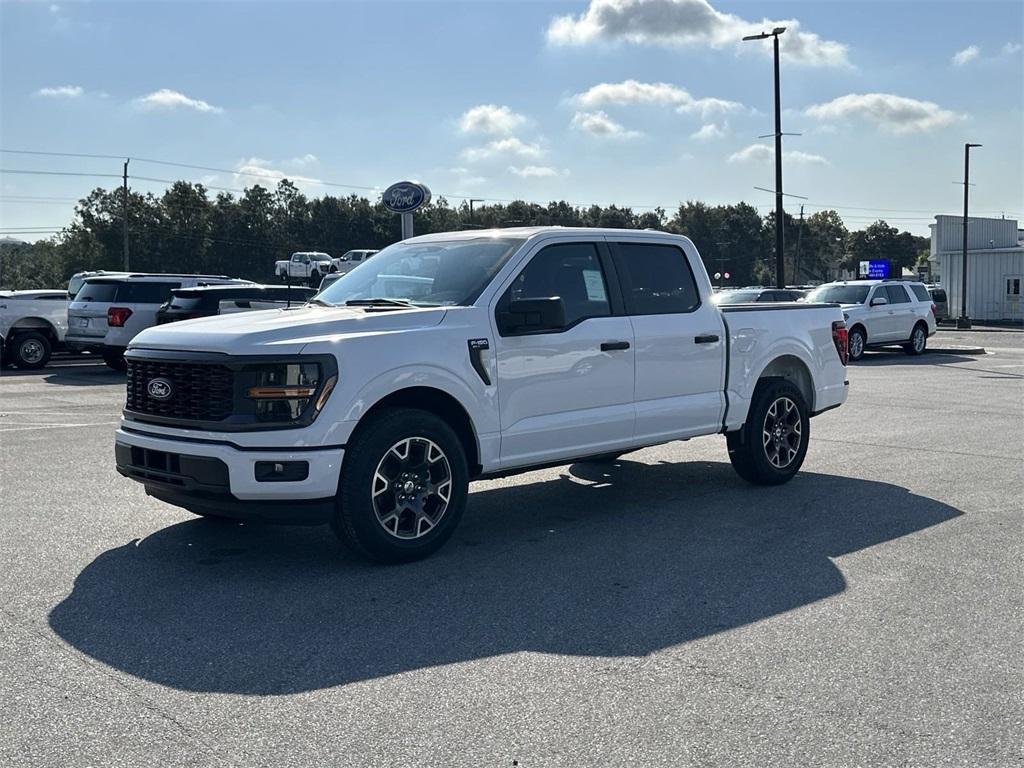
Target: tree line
184,229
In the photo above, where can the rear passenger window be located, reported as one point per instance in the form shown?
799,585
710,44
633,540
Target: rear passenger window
921,292
97,292
145,293
897,294
571,271
656,279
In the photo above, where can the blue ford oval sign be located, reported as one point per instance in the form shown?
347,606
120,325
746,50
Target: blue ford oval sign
405,197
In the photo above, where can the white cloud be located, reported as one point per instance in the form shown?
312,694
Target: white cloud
490,118
1010,48
666,94
898,114
62,92
675,23
967,55
466,178
507,146
763,153
255,170
599,124
710,131
165,98
536,172
306,159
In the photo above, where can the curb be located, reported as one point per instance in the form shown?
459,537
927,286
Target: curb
956,350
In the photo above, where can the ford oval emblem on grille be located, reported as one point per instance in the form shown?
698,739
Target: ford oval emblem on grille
160,389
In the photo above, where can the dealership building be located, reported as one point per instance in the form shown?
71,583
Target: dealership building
995,265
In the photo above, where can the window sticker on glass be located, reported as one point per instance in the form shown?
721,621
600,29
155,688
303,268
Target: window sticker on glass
595,285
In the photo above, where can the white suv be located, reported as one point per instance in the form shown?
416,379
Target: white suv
107,312
882,313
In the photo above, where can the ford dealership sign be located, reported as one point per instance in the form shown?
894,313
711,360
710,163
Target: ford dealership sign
405,197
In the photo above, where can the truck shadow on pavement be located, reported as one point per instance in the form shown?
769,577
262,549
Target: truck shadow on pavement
618,560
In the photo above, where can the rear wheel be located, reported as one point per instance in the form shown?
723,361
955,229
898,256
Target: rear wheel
114,358
856,343
403,487
918,340
770,447
30,349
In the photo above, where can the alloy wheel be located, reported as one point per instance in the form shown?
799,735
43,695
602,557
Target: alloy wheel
31,351
919,340
782,432
412,488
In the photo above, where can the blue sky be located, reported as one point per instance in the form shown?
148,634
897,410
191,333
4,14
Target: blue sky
635,102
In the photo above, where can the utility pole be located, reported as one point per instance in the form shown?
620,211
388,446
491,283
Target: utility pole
964,321
124,212
472,220
799,237
780,270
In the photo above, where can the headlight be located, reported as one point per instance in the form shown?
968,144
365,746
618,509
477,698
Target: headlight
283,391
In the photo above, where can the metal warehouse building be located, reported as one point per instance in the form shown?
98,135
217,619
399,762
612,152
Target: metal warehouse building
995,265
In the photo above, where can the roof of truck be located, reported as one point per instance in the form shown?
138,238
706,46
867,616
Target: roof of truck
527,232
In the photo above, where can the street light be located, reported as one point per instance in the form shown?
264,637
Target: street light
780,278
964,321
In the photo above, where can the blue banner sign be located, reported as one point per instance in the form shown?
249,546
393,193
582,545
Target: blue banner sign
405,197
876,269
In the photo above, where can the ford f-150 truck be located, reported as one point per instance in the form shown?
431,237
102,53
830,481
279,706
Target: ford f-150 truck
32,325
305,265
452,357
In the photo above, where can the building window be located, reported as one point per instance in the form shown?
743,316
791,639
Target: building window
1013,286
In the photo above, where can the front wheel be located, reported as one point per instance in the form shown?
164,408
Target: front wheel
918,341
403,488
770,447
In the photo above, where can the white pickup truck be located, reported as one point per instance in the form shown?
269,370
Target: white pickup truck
32,325
452,357
310,266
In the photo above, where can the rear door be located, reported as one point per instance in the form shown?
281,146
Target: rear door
567,392
901,312
680,342
143,298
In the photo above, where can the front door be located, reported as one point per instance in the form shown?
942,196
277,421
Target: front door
564,392
680,343
878,319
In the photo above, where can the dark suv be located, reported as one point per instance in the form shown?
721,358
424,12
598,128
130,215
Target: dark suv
206,301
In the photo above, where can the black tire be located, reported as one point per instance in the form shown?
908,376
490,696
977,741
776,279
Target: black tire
382,527
30,349
858,346
751,456
114,358
918,340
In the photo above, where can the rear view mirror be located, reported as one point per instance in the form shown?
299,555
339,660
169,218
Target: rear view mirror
532,315
879,301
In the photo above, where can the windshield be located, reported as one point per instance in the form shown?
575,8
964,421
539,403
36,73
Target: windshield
839,294
425,274
736,297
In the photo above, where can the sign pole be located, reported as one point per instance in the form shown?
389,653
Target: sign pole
406,226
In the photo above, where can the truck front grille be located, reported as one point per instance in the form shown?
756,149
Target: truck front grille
197,391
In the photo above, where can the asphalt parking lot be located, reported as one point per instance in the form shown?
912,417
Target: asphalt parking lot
657,612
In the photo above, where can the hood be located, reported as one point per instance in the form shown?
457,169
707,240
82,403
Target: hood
281,331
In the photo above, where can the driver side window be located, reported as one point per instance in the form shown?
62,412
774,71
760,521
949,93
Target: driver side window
570,271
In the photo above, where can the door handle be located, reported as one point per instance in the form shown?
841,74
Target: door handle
706,338
611,346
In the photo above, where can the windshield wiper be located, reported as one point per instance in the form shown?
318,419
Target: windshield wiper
379,302
321,302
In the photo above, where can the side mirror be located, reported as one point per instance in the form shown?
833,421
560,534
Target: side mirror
879,301
532,315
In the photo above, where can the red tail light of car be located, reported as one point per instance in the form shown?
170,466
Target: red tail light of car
841,337
117,316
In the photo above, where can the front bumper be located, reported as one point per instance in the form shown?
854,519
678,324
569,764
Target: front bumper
220,478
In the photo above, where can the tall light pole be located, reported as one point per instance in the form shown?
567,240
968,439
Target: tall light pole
964,321
780,278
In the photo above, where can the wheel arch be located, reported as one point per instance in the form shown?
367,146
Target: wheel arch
33,324
794,370
441,404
